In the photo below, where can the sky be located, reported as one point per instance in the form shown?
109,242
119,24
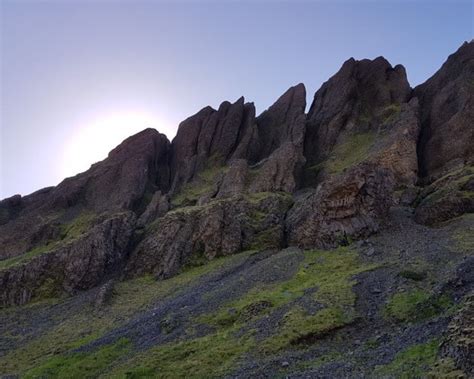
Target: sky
78,77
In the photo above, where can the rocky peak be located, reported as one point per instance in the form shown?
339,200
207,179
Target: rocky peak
349,100
139,165
210,137
447,111
283,121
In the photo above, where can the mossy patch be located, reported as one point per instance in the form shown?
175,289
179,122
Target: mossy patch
301,327
464,235
130,297
69,232
81,364
353,150
210,356
77,227
330,272
416,305
21,259
390,113
201,185
414,362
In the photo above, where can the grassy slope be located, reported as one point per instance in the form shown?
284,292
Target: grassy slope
314,304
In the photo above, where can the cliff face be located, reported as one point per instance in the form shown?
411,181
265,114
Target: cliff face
368,141
447,111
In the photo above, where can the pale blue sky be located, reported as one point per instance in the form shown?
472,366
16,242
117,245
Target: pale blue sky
77,77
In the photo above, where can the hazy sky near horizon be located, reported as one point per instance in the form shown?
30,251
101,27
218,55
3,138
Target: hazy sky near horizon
77,77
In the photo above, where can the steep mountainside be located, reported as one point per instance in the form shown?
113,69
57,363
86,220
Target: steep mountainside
333,243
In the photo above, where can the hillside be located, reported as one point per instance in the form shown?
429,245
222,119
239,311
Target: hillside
333,243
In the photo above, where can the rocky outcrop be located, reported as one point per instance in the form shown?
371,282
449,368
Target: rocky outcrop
280,171
458,343
123,181
395,146
447,111
283,122
346,207
448,197
139,165
235,180
210,138
219,228
77,265
352,101
157,207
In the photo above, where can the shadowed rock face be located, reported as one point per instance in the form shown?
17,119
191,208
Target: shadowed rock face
283,121
219,228
125,180
210,138
447,114
350,102
139,165
77,265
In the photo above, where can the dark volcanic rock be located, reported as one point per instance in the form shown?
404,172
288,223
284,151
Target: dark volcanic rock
395,146
134,169
219,228
139,165
447,114
78,265
351,101
158,206
283,122
280,171
447,197
210,138
234,181
348,206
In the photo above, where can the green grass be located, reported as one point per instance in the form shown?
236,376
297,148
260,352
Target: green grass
390,113
449,185
69,232
464,236
416,305
130,297
80,365
414,362
20,259
77,227
300,327
330,271
210,356
355,149
198,187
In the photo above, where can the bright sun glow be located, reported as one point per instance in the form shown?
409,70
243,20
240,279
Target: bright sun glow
93,140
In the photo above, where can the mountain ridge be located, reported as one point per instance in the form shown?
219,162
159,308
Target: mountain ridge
372,158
